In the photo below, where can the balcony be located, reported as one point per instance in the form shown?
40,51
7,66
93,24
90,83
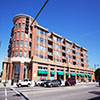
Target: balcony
50,54
63,44
63,57
50,46
49,39
63,51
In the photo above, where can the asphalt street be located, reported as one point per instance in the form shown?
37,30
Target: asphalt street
78,92
66,93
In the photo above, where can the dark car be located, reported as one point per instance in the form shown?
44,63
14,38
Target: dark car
53,83
70,81
99,83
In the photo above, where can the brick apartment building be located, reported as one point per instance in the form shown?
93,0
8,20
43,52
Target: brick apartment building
36,54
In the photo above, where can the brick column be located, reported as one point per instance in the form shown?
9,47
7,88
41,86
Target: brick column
34,71
55,69
10,71
21,71
79,76
48,72
4,71
76,74
69,73
64,74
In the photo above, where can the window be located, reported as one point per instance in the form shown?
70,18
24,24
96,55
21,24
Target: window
77,48
26,35
57,46
19,25
25,54
78,59
37,39
16,53
41,48
38,31
69,50
68,44
23,25
21,43
15,35
56,39
69,56
18,34
58,60
13,43
77,54
12,54
40,56
41,40
16,26
17,42
20,54
26,43
22,34
57,53
70,63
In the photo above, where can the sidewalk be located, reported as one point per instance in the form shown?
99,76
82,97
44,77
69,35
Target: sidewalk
7,85
86,83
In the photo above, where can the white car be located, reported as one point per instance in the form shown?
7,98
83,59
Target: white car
25,82
38,83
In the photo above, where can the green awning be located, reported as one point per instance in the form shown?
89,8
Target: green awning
67,74
89,75
77,74
52,72
60,73
82,75
86,75
73,74
42,72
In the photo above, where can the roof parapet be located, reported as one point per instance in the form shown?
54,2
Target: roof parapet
36,25
56,35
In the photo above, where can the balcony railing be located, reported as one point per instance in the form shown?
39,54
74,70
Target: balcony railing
64,57
63,51
49,53
50,46
49,39
63,44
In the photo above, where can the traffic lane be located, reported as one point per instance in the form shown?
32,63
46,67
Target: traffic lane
69,94
26,89
2,93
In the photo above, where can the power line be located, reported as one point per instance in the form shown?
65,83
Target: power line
39,12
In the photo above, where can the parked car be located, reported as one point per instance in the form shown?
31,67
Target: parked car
99,83
52,83
70,81
25,82
38,83
62,82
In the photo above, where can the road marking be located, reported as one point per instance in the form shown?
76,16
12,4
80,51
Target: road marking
19,93
5,94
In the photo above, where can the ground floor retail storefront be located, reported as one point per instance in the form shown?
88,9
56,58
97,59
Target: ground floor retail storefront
36,70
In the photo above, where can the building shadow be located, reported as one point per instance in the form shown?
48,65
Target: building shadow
95,98
96,93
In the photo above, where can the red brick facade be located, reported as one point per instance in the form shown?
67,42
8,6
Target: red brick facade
33,48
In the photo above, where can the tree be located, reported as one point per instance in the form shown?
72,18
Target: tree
97,74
